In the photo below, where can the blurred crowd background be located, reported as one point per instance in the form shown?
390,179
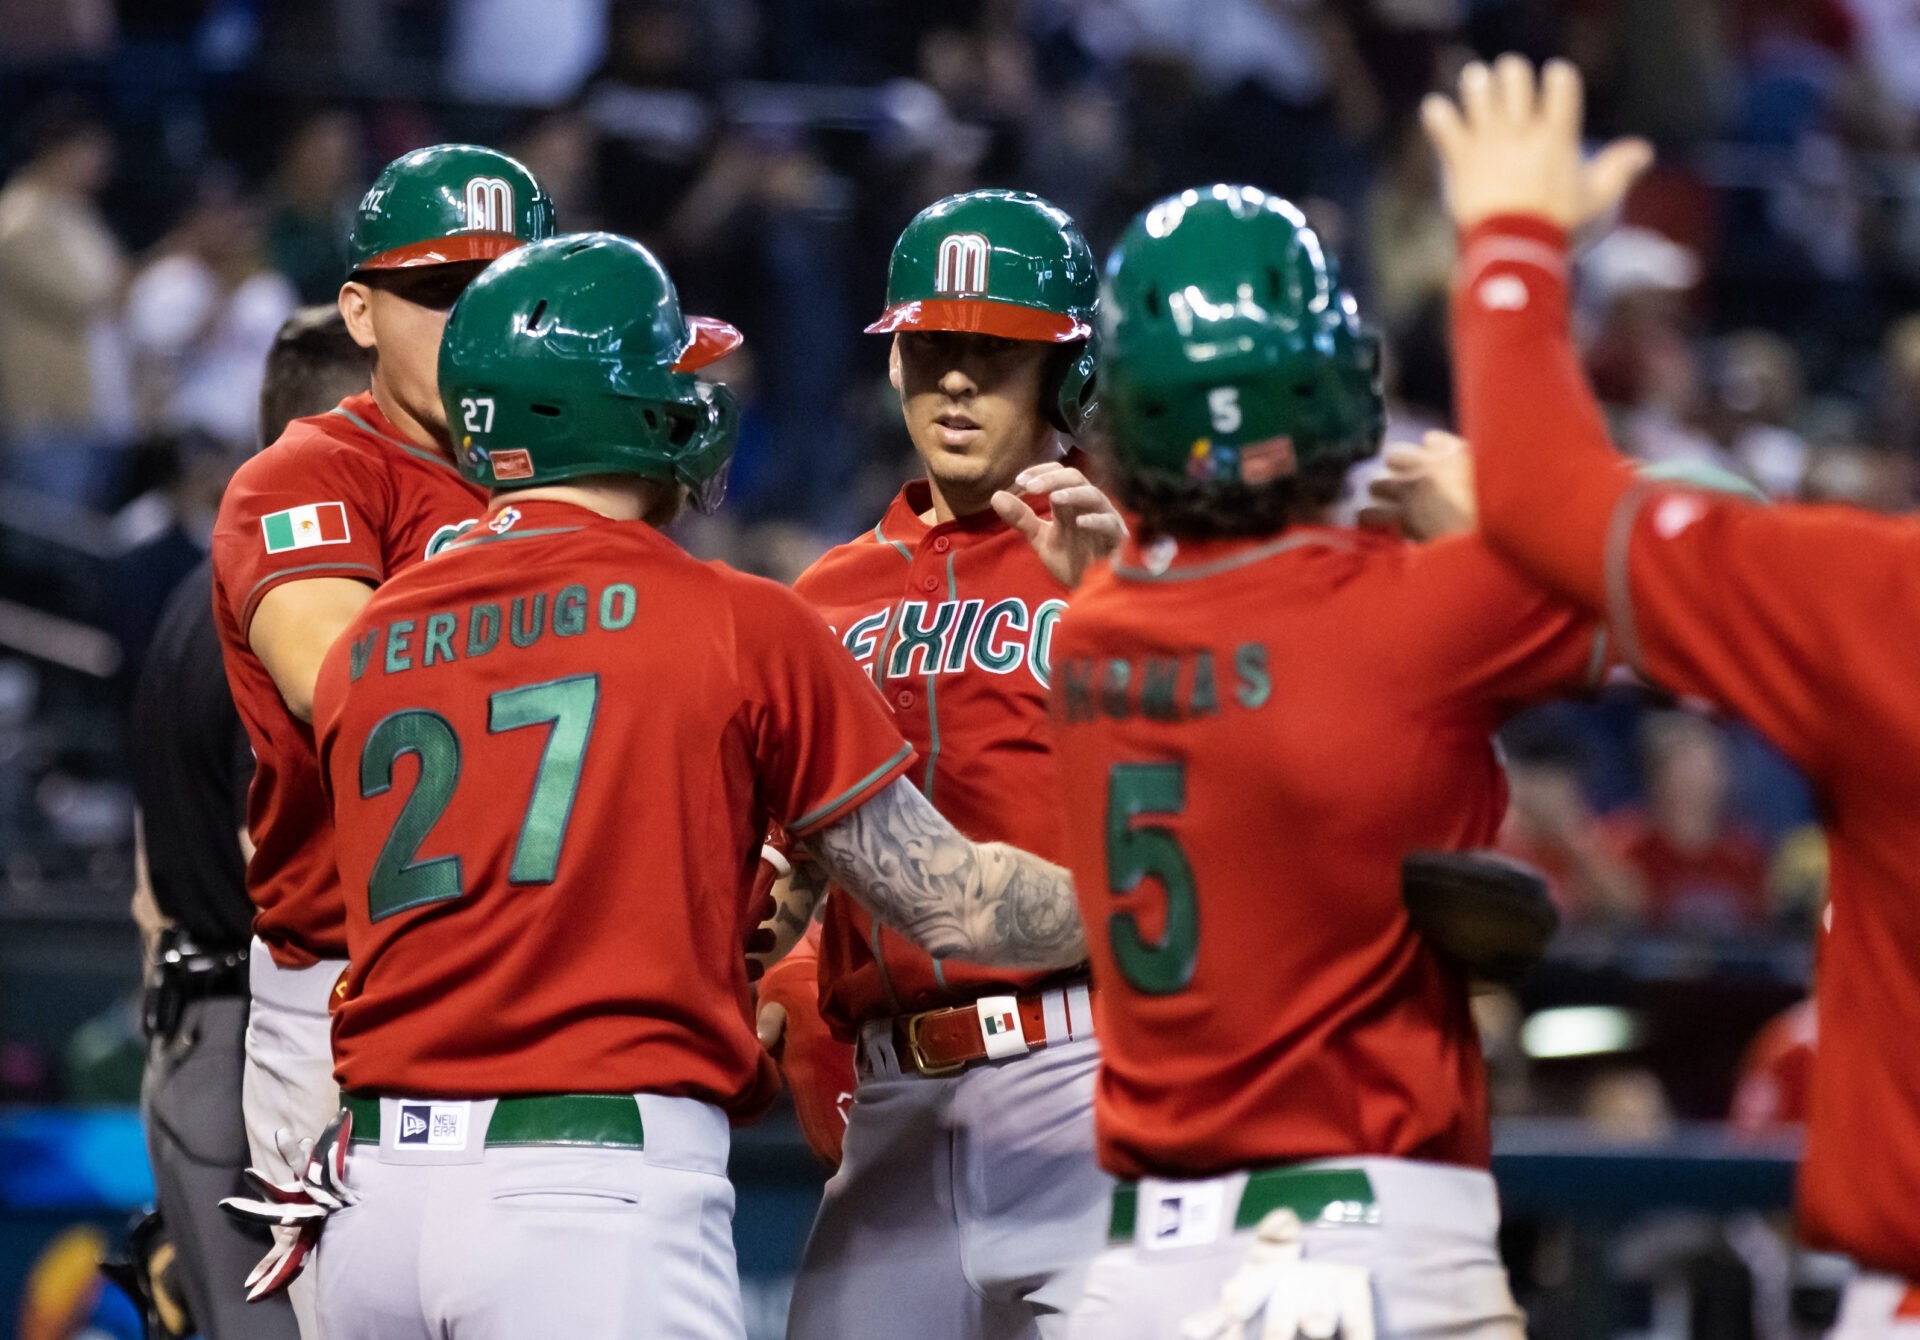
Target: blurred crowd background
176,177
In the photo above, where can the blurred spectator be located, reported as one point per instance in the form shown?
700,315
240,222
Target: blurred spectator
1757,399
61,269
511,51
1900,383
558,148
202,314
312,204
1550,826
655,108
1627,1105
1699,870
1845,466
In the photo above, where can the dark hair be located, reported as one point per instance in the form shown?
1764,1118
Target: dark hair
313,365
1223,509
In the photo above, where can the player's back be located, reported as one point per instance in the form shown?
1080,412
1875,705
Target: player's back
1251,735
552,754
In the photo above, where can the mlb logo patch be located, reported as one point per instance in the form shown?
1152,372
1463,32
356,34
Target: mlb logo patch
1000,1027
305,527
432,1126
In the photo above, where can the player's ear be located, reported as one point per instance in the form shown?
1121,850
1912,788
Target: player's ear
893,366
356,309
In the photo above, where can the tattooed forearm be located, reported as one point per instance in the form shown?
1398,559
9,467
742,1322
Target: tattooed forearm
984,902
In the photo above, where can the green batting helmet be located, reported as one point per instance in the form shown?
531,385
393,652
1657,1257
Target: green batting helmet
450,202
1002,263
1229,350
571,357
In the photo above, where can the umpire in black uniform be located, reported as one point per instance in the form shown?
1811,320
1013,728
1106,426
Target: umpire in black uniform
191,768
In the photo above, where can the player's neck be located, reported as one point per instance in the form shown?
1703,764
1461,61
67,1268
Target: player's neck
616,498
413,429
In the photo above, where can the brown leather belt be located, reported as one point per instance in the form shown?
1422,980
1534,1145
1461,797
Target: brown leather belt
947,1040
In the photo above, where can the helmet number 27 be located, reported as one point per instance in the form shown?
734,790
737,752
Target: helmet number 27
478,413
1162,967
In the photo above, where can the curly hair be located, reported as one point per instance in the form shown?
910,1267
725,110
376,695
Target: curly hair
1225,509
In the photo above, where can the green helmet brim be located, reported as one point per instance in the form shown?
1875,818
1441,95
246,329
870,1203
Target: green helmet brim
445,251
713,339
1008,320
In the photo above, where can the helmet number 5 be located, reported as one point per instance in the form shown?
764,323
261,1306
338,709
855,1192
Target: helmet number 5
1136,853
478,412
1223,407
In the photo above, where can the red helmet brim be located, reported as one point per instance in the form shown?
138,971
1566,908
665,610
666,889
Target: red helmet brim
1008,320
713,340
445,251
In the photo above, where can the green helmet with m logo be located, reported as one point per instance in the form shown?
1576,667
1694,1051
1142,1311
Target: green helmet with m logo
447,203
1003,263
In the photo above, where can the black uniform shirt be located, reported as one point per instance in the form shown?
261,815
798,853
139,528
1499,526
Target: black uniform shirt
191,767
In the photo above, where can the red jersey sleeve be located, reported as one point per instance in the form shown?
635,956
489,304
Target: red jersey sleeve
297,510
1495,636
824,740
1749,607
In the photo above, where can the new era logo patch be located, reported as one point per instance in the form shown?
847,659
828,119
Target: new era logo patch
305,527
432,1126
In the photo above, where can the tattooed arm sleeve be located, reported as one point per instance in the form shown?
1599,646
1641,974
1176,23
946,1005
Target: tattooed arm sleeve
984,902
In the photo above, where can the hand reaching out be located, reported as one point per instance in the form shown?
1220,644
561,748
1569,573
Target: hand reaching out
1084,524
1427,490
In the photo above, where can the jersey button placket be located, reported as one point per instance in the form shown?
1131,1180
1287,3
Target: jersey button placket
904,698
941,544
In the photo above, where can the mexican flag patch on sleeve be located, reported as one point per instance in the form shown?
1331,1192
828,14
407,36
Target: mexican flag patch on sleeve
304,527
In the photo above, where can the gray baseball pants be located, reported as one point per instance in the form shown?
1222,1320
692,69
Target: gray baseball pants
288,1094
529,1241
197,1143
965,1208
1432,1255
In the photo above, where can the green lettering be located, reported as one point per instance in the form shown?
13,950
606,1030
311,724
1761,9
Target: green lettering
1040,644
570,612
1076,689
360,652
616,614
524,632
439,637
483,629
955,659
1158,684
1113,689
398,657
1250,663
1205,698
920,641
1005,658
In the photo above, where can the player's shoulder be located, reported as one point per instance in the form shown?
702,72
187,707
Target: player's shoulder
759,601
320,447
846,565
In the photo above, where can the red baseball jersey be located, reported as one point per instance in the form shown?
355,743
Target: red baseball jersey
552,754
1251,734
343,494
953,622
1803,620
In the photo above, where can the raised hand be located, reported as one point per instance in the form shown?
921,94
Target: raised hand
1511,145
1084,526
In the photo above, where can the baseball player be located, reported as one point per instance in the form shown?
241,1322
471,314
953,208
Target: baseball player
306,530
191,766
552,752
1796,618
1257,715
968,1194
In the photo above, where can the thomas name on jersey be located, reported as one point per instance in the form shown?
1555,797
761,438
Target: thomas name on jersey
1160,688
945,637
446,636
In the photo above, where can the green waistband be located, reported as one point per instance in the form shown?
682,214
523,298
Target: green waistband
596,1120
1336,1195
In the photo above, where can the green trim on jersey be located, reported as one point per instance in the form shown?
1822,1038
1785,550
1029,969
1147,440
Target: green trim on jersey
1214,569
247,604
467,543
432,456
812,817
880,535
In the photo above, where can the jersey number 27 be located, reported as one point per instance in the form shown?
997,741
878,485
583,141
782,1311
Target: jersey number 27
401,877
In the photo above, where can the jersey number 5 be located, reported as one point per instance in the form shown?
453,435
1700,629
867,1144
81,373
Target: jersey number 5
401,878
1133,854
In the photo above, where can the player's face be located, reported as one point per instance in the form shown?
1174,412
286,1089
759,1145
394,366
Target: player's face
401,314
972,404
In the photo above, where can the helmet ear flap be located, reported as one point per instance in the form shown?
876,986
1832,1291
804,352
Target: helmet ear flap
1067,395
702,463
